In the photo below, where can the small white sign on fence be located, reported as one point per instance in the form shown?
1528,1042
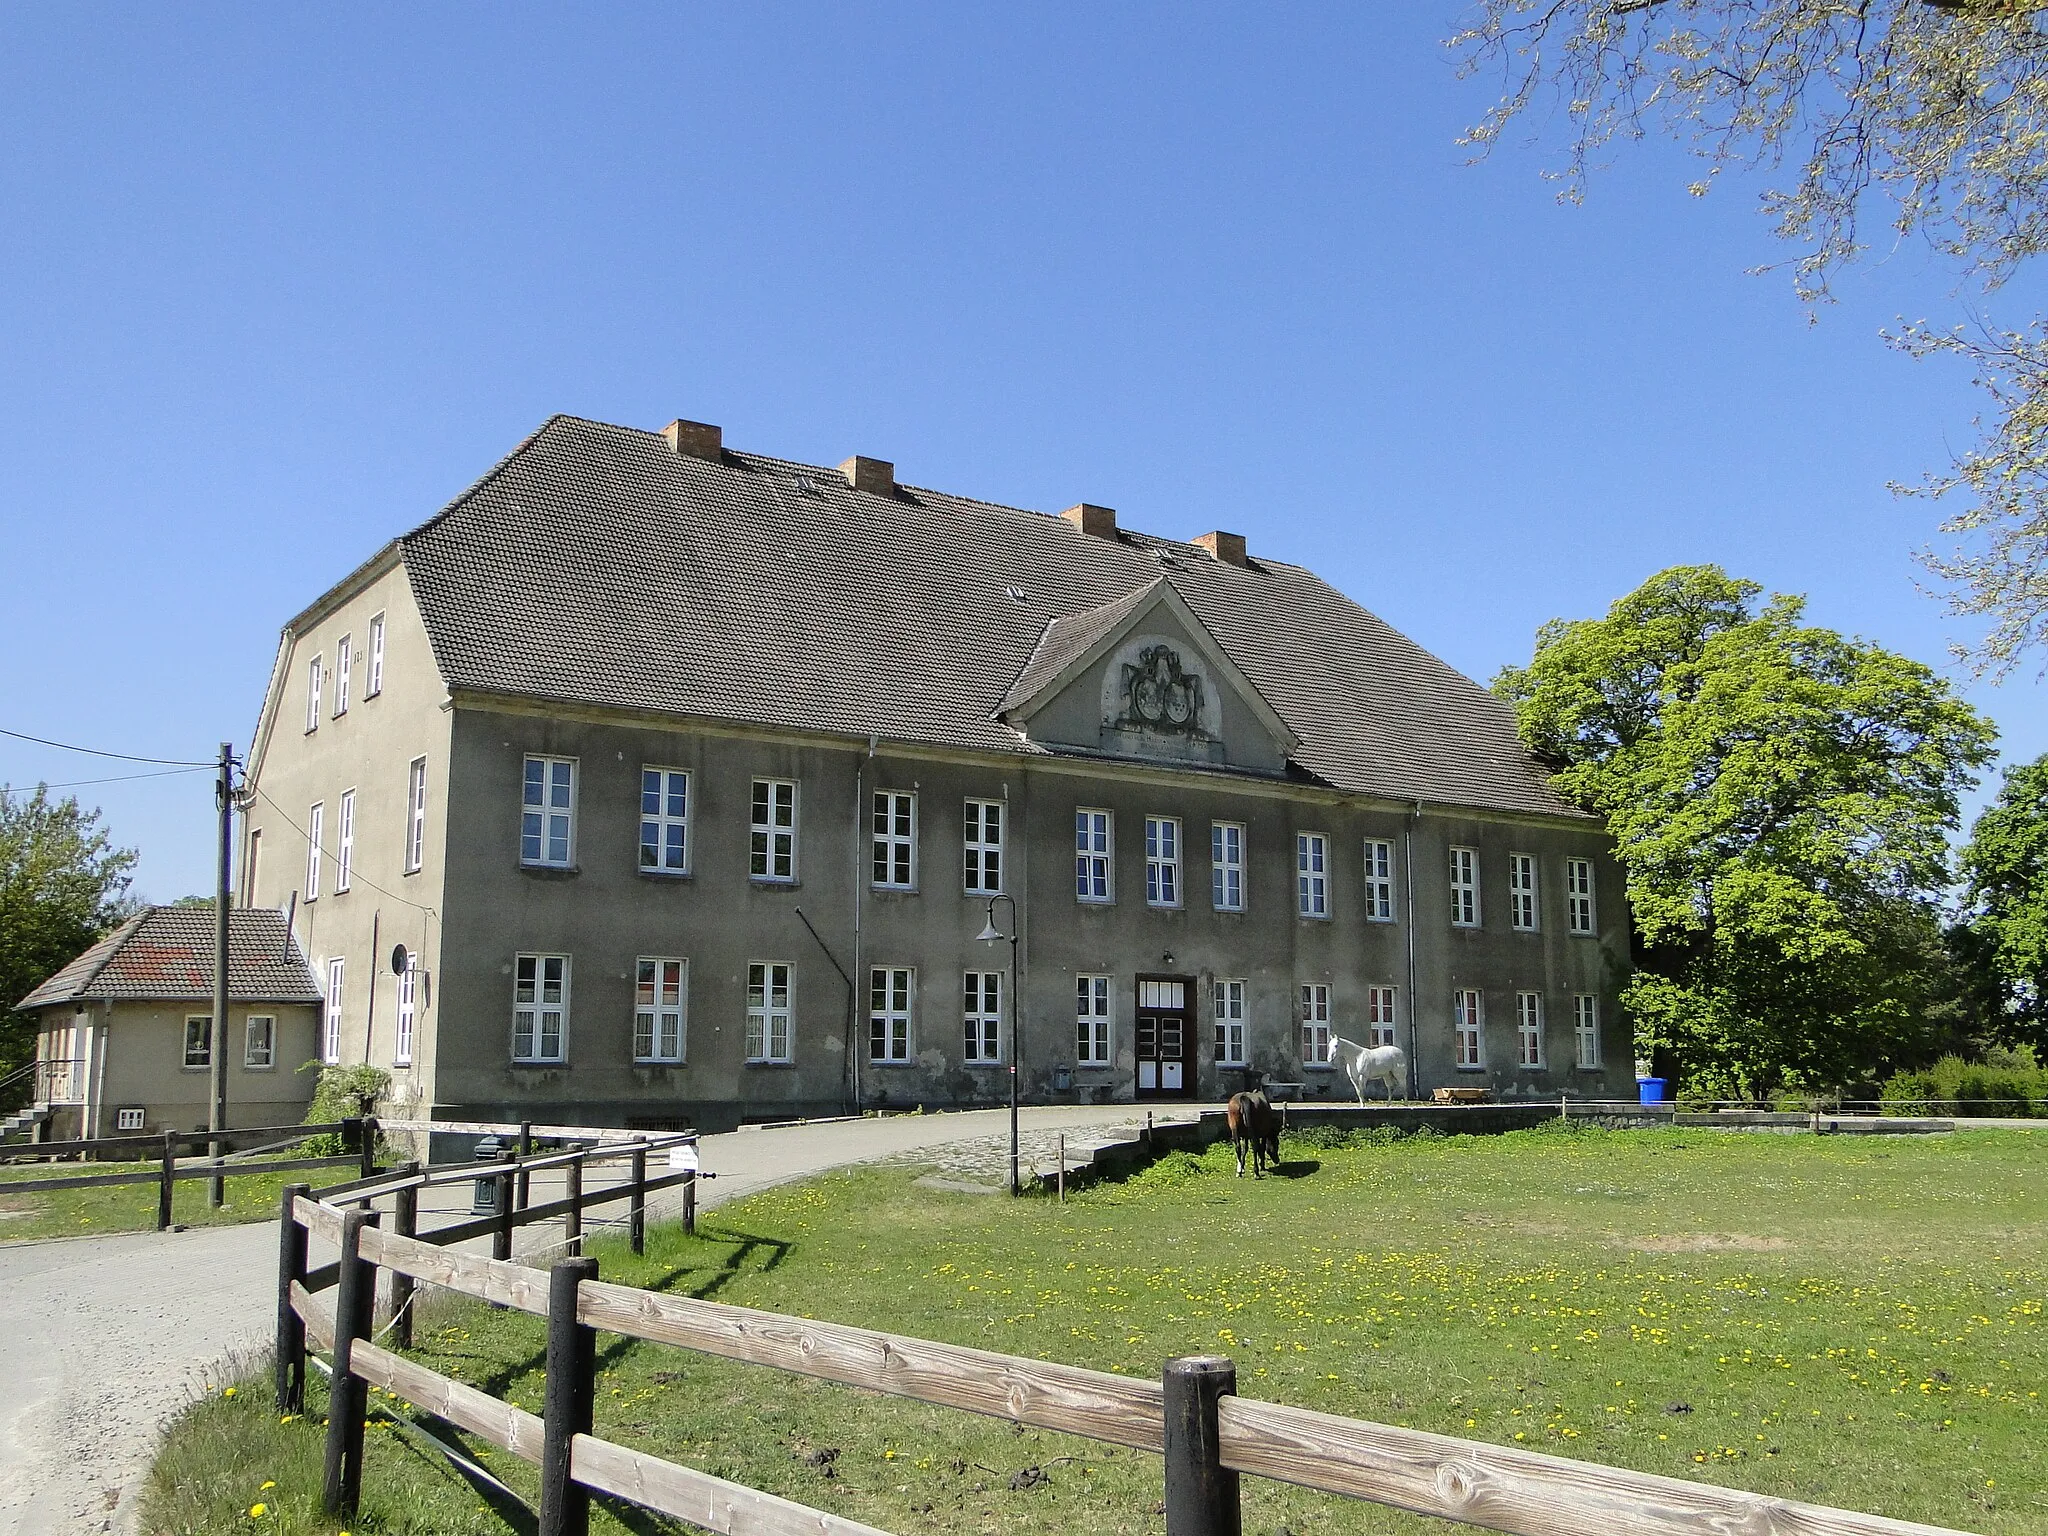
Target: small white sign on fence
684,1156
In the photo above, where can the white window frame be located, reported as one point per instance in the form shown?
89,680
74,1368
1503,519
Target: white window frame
661,1010
892,831
415,815
1586,1030
981,1018
1524,913
1162,861
771,845
199,1047
669,827
1227,1008
373,677
1094,855
129,1119
316,686
1468,1029
1580,917
1465,911
344,841
1311,875
331,1011
344,666
1094,1020
1382,1015
1529,1055
982,848
532,1008
408,1012
771,1025
316,819
254,1060
1226,865
553,810
1315,1023
1379,880
892,995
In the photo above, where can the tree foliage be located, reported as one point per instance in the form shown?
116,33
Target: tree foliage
1933,113
2006,905
1780,798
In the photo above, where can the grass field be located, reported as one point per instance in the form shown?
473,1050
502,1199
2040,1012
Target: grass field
1853,1321
131,1207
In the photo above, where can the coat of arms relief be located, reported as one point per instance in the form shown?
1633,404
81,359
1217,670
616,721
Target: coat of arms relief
1159,694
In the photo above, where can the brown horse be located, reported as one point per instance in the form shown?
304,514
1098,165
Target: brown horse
1252,1120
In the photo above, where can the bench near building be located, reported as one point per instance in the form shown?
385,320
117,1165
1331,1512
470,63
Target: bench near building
687,780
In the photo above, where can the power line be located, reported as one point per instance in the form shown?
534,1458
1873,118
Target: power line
126,757
123,778
335,859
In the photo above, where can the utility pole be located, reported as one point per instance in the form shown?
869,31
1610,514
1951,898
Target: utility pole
217,1119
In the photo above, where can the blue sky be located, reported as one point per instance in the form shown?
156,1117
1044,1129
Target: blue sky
279,282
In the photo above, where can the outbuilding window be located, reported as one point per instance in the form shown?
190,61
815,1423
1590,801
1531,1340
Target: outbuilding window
259,1042
199,1040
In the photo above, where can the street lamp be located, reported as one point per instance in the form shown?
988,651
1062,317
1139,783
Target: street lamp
990,934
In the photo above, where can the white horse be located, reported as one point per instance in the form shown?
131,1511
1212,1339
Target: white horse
1372,1064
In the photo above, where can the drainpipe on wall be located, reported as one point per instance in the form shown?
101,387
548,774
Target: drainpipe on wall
99,1086
1414,999
860,889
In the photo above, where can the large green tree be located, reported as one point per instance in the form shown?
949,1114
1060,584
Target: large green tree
2005,922
1780,798
63,884
1914,117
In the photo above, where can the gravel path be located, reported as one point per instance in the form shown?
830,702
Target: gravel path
106,1338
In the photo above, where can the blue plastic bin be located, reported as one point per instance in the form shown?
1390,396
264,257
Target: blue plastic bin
1651,1089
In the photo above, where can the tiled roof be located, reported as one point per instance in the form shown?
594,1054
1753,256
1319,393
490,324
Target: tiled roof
167,952
597,566
1067,638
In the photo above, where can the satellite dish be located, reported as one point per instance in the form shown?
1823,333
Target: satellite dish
398,959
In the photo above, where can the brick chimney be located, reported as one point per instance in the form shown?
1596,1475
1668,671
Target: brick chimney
1227,547
1089,518
696,440
875,476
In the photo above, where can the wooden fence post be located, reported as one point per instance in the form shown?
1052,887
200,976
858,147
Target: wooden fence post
291,1329
217,1186
1201,1494
167,1181
572,1223
570,1401
348,1395
352,1135
501,1240
368,1131
690,1202
405,1221
636,1216
525,1192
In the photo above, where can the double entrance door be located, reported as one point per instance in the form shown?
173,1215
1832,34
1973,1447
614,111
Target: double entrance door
1165,1038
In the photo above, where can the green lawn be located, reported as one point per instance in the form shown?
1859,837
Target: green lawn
132,1207
1854,1321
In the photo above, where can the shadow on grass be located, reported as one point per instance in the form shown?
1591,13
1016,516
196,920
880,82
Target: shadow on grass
1298,1168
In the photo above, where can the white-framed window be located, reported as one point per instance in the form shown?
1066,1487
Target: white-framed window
1586,1029
1529,1030
1522,909
1091,1020
540,1007
199,1040
255,863
415,815
547,822
408,1009
128,1119
1094,846
661,990
1226,866
1468,1029
330,1015
772,849
665,821
1162,861
890,989
1464,888
1578,896
982,839
1379,880
315,685
1311,874
1227,999
259,1042
316,819
373,680
345,841
1380,1021
769,1023
981,1004
344,667
894,841
1315,1023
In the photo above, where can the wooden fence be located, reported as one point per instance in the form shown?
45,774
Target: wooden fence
1207,1435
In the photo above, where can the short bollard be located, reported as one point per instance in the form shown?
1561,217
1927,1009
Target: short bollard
291,1328
1201,1494
569,1402
348,1395
636,1216
405,1221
